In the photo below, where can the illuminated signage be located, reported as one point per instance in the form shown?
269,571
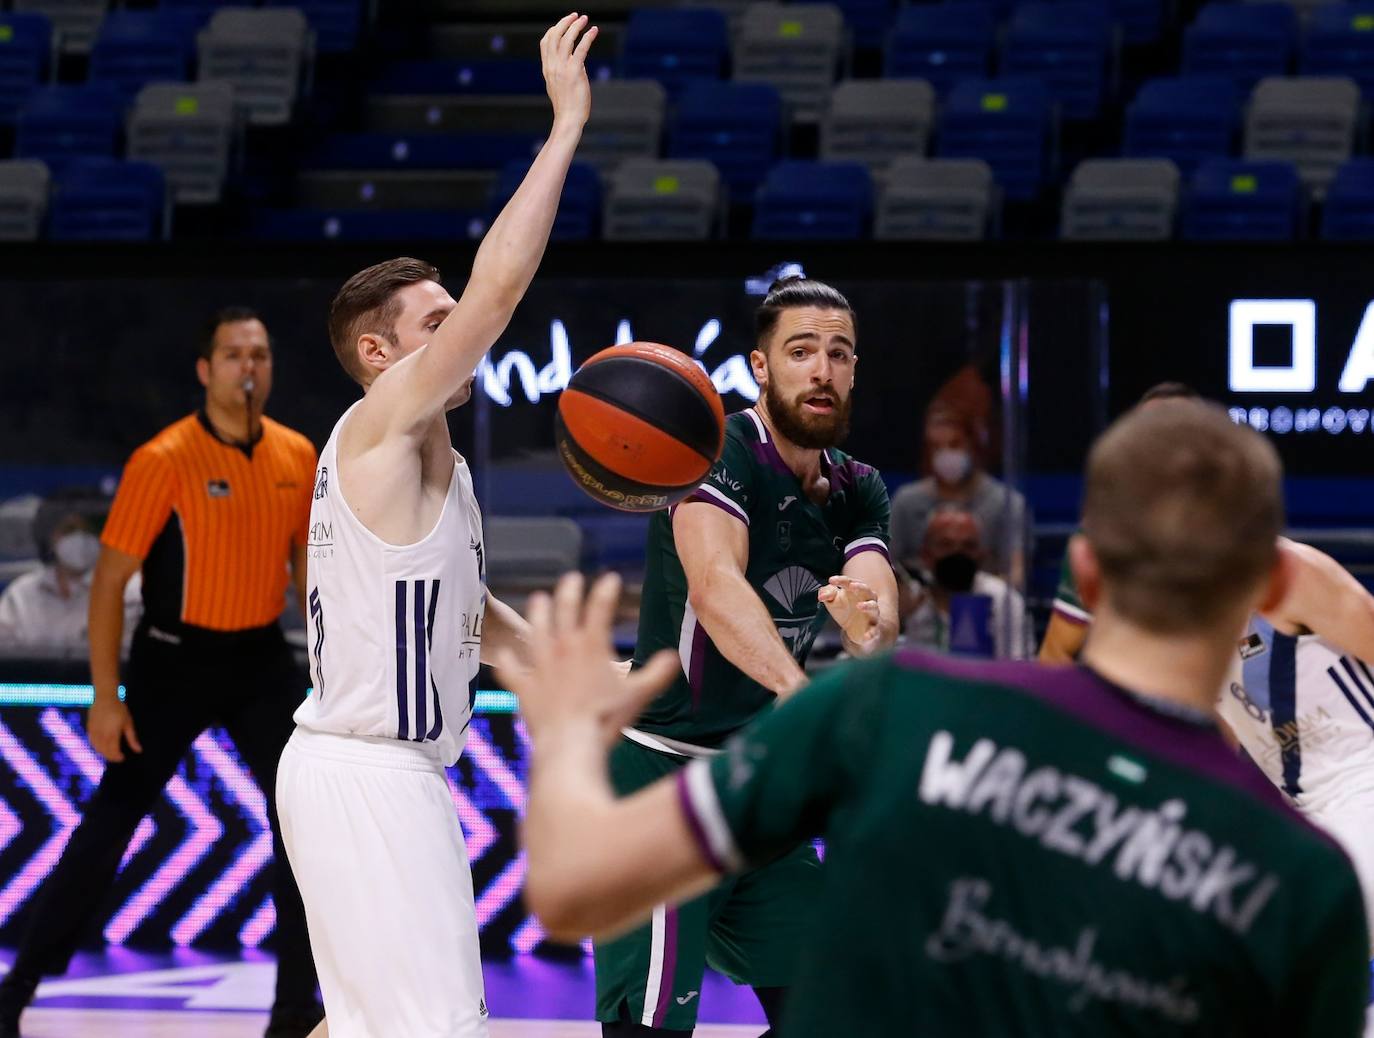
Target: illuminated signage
1297,319
1299,316
500,377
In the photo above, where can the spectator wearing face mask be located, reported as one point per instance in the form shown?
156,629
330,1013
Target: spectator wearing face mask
954,475
45,610
949,561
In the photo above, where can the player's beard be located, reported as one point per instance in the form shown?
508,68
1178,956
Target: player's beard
806,430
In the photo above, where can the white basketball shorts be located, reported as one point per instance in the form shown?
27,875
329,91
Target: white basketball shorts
376,847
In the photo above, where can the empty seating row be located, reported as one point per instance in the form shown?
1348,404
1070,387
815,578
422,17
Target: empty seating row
186,129
265,53
83,199
80,25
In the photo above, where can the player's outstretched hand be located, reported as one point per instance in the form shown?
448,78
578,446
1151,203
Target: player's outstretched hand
564,58
854,605
567,679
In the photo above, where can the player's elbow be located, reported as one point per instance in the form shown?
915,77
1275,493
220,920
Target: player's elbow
566,913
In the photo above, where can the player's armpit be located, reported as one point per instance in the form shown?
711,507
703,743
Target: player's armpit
616,860
1064,640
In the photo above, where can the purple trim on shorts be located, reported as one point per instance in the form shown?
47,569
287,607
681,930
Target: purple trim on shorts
665,984
1116,712
689,812
696,678
881,549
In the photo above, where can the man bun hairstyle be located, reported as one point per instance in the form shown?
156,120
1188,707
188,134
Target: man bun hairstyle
792,292
367,304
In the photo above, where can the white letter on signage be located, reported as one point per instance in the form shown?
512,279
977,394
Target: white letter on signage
1359,366
1301,317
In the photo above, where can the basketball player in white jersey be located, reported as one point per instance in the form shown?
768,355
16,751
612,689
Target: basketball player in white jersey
399,619
1300,696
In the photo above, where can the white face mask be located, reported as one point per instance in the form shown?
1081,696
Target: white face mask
952,466
77,551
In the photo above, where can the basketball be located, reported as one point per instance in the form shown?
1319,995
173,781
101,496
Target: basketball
639,426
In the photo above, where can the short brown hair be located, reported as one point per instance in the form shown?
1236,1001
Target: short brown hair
225,315
367,303
1183,509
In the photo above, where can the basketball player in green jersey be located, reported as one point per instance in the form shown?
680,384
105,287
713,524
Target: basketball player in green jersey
736,577
1010,848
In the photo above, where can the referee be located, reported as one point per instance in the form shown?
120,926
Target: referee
215,512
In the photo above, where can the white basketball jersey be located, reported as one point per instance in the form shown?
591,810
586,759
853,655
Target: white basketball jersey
1305,715
394,631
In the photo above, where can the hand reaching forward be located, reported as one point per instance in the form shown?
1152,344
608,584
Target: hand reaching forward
854,605
564,58
567,679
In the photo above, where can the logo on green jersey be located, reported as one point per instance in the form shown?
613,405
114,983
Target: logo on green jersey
785,536
791,586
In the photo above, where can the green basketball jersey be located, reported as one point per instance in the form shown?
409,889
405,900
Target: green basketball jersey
1015,849
795,546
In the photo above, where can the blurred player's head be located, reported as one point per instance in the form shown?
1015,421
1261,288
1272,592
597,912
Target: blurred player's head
384,314
1181,517
235,352
804,362
1168,391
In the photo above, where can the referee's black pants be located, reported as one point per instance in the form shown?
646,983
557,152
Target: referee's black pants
179,683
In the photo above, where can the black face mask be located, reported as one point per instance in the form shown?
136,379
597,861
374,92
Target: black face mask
956,572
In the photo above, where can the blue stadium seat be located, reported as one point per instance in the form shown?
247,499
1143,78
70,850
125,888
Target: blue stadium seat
471,76
1245,41
1233,200
1348,212
1340,42
1187,120
107,200
135,48
868,20
336,22
422,150
579,209
676,46
1068,45
1008,123
942,43
816,200
734,125
70,121
25,53
364,225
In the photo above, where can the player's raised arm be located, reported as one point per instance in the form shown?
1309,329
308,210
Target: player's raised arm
1326,600
416,390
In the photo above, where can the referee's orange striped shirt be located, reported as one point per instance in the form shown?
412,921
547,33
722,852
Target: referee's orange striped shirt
214,522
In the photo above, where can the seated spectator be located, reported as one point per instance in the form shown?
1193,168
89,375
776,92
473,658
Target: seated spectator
954,474
44,610
949,565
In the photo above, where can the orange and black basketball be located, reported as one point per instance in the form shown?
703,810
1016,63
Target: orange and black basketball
639,426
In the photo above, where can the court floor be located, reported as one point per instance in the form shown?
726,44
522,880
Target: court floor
120,993
114,1023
